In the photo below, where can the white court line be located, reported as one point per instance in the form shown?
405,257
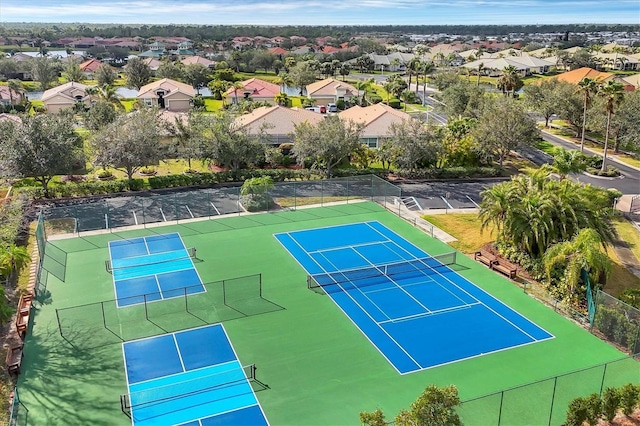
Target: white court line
345,313
158,284
447,279
352,246
429,314
179,353
146,245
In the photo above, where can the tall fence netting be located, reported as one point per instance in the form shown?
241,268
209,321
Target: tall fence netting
617,322
187,205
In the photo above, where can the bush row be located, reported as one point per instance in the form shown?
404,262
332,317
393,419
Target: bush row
594,406
450,173
96,187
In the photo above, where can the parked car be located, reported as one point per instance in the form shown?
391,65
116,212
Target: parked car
332,108
320,109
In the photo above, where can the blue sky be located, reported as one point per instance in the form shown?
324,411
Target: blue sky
323,12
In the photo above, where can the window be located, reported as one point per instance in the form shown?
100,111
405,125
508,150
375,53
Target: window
370,142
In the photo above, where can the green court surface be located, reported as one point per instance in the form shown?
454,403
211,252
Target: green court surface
319,368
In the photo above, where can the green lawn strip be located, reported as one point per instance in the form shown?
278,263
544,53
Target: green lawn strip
629,234
319,366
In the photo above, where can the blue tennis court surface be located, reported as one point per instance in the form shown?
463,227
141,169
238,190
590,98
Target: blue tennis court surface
152,268
418,312
192,378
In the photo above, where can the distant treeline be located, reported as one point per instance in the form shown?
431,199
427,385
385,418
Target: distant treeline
225,32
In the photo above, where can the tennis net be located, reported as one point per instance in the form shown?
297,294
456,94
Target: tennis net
193,388
150,260
380,274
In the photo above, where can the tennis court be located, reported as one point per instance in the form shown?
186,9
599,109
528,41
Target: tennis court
393,292
189,378
151,268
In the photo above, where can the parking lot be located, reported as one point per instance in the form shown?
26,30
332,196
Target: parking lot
444,195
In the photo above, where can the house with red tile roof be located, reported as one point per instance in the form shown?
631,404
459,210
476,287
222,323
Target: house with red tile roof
577,75
9,96
254,88
277,51
89,67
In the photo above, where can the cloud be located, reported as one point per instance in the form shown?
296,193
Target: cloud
318,12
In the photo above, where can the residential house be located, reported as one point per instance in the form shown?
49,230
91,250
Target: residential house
617,61
577,75
198,60
276,122
65,96
9,97
330,90
167,94
634,80
89,67
255,89
153,64
377,120
526,65
23,70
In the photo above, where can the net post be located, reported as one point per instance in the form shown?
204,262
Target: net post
59,323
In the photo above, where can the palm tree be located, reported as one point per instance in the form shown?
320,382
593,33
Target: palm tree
283,80
236,86
510,80
480,69
613,93
583,251
412,68
15,86
568,161
364,85
494,208
588,86
281,99
12,259
426,69
108,94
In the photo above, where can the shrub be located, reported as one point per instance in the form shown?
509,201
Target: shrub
610,403
450,173
395,103
609,172
629,395
374,99
340,104
135,184
577,412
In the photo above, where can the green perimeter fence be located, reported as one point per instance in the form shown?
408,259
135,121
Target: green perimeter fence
76,217
545,402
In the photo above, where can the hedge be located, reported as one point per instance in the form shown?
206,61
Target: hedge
450,173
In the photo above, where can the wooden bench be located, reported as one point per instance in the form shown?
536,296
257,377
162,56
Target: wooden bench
505,268
14,359
24,310
485,257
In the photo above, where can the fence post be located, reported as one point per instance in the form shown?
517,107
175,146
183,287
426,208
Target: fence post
500,409
553,398
347,189
604,374
322,192
59,323
104,317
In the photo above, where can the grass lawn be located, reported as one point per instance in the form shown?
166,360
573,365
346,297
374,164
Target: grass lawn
466,228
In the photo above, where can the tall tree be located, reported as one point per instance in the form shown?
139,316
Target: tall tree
583,251
41,147
435,407
613,93
137,73
72,72
425,69
44,70
105,75
131,142
302,75
588,86
326,143
227,144
568,161
626,122
15,88
415,145
197,75
171,70
546,97
188,134
505,126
